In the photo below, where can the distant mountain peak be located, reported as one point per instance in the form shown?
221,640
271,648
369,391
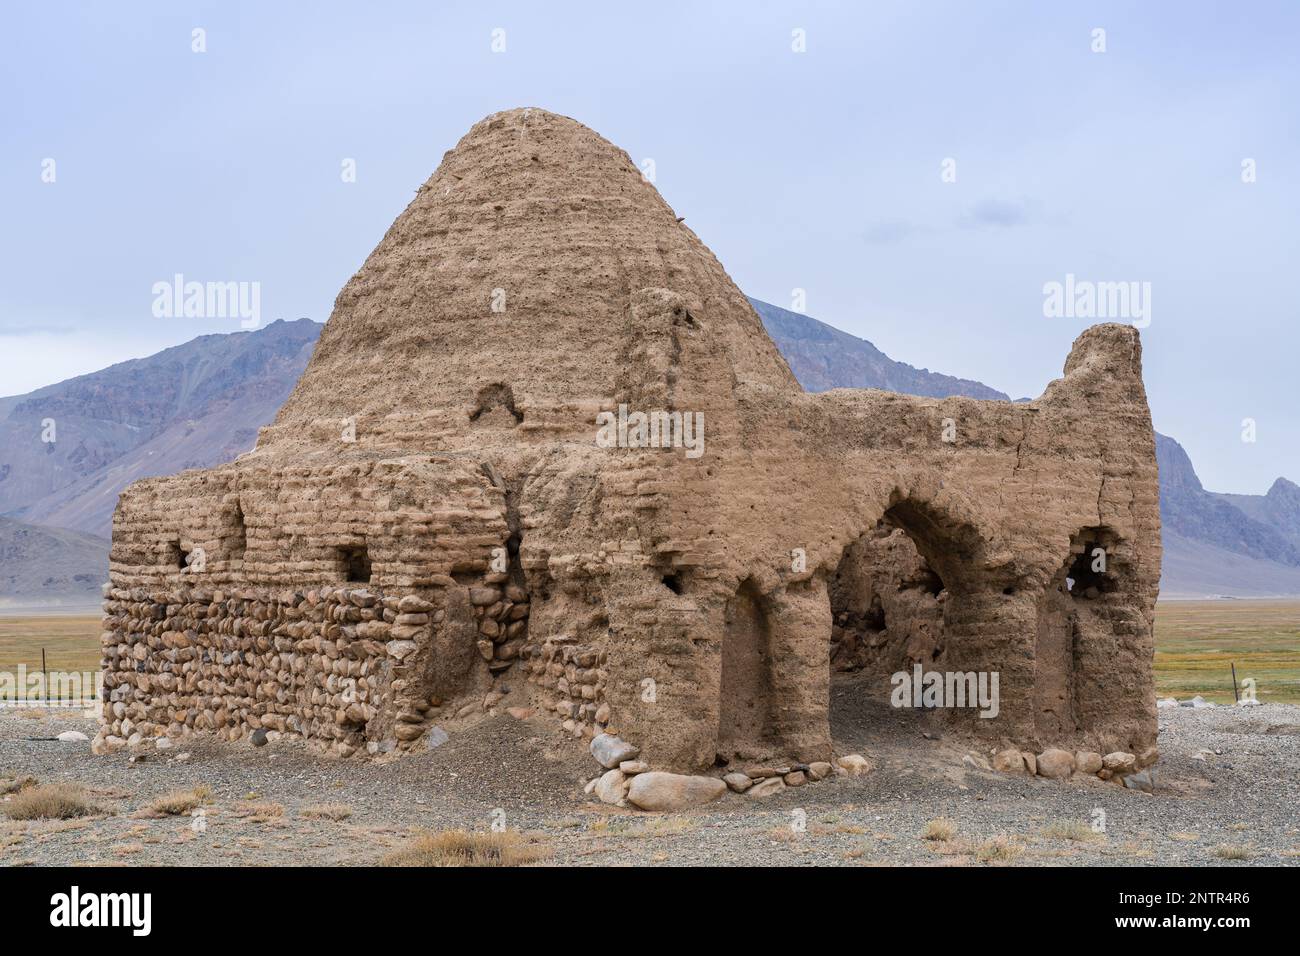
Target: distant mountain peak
1284,488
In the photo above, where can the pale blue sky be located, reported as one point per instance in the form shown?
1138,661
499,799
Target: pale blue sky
818,171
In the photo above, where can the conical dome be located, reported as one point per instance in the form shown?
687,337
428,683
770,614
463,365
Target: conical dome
509,280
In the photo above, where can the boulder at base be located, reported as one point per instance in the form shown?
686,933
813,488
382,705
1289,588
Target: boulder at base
658,790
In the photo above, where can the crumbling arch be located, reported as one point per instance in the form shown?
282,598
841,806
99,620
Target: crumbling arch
951,543
894,586
887,604
495,405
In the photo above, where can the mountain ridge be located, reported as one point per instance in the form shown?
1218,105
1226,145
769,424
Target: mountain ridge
131,420
822,357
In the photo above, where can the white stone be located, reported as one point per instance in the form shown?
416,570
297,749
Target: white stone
401,649
855,765
612,787
657,790
610,751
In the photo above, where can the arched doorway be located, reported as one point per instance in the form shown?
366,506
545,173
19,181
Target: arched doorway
887,604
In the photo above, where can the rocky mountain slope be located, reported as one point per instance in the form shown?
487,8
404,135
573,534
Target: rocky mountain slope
1225,544
822,357
201,403
1227,522
1279,508
194,405
50,567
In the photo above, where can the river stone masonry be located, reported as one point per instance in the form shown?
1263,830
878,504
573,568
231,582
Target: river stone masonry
441,517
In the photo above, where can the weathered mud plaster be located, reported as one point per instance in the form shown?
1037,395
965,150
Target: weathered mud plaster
431,513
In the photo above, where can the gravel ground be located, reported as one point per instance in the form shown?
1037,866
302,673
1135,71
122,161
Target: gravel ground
259,811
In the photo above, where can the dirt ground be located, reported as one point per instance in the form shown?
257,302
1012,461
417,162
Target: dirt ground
1228,785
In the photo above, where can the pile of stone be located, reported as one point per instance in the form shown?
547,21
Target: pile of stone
502,618
1057,764
575,675
629,781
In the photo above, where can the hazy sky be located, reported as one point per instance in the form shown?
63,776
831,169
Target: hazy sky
819,170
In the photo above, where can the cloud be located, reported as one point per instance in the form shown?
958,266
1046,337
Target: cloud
998,214
889,231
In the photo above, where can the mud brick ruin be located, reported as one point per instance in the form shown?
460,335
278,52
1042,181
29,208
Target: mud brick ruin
432,524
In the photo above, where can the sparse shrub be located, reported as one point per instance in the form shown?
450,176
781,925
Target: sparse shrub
941,830
179,802
461,848
1070,830
54,801
326,811
997,850
1233,851
663,826
261,810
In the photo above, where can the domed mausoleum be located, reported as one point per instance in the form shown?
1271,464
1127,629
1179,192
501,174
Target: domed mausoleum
545,452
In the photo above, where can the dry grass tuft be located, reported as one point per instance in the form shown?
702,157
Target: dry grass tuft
1070,830
997,850
326,811
1231,851
461,848
55,801
179,802
663,826
941,830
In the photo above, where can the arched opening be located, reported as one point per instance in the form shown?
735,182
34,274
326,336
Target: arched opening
887,604
177,559
495,406
746,705
893,608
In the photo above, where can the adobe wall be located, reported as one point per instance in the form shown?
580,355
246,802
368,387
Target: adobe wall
230,608
535,281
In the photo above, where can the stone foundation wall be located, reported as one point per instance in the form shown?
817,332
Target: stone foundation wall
351,668
340,666
572,677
